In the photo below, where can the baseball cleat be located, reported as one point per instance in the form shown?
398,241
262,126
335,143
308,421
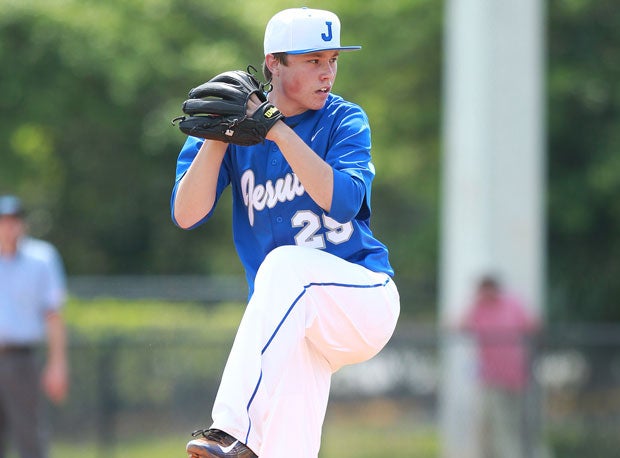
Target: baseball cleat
217,444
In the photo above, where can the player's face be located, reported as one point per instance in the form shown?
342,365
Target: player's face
304,82
11,229
488,294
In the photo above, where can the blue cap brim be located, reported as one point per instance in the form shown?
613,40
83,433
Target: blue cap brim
340,48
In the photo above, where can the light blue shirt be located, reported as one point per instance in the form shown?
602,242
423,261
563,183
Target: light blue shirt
32,284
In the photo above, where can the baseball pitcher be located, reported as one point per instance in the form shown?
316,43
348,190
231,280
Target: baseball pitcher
297,159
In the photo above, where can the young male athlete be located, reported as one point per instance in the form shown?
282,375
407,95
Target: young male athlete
321,292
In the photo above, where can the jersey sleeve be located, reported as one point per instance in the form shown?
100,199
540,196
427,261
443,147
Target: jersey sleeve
51,273
186,157
349,155
56,294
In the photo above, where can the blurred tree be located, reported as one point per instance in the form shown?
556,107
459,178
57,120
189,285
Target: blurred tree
89,89
584,165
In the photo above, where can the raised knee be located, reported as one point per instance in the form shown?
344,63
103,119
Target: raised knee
281,260
281,256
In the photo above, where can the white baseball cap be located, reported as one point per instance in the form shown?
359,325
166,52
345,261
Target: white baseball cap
304,30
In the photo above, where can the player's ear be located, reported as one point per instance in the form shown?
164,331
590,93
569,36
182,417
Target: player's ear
272,63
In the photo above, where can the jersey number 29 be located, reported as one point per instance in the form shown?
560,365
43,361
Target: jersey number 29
311,224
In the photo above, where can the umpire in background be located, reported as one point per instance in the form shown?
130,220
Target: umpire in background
32,292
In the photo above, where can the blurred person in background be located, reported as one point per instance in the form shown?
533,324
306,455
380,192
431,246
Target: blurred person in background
502,326
32,292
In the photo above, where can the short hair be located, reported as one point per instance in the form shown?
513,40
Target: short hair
281,57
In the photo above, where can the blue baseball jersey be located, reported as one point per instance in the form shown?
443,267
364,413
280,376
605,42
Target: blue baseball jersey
270,205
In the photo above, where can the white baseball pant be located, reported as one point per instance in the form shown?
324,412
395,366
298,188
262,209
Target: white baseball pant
311,313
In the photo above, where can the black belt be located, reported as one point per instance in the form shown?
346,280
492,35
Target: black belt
7,349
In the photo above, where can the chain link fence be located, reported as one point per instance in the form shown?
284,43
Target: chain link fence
126,387
164,383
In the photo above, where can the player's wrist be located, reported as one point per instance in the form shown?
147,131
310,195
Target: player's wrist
277,131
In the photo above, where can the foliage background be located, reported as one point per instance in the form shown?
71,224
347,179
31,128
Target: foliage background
89,88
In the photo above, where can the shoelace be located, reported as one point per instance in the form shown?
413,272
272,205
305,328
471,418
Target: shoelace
224,440
212,434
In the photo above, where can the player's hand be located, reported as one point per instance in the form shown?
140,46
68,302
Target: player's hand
55,381
231,107
252,105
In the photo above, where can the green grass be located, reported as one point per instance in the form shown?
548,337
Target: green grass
153,447
343,438
376,428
